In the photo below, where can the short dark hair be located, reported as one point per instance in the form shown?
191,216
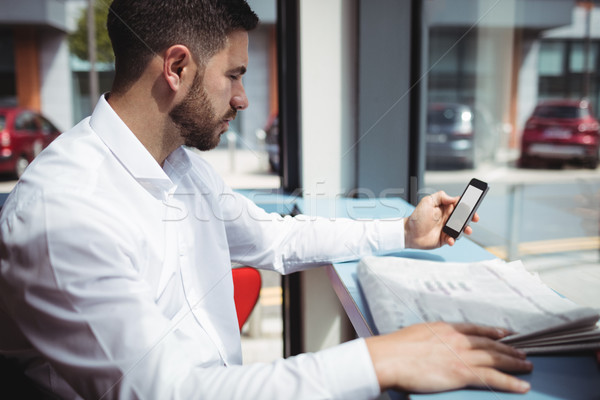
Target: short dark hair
139,29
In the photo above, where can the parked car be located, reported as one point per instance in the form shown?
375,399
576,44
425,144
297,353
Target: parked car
459,136
23,135
561,131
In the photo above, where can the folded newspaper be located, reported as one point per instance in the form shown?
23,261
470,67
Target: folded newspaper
405,291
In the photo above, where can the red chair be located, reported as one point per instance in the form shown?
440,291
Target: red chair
246,289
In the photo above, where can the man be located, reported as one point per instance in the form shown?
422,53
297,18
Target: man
115,273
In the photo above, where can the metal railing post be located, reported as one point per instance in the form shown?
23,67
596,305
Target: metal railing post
515,211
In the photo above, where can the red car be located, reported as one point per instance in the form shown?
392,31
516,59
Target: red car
561,131
23,135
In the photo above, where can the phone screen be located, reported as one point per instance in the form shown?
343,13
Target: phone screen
463,209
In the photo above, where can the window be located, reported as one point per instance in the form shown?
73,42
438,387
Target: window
8,91
498,60
26,122
580,55
551,58
572,79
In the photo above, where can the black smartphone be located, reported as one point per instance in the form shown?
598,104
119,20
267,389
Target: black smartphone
465,208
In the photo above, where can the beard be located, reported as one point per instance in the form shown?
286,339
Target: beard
197,119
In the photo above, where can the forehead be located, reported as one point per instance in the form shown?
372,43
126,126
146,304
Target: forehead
233,55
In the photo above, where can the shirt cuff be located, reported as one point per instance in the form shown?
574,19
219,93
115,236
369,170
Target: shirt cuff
349,371
391,235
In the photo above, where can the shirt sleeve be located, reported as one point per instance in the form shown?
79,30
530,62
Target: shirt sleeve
69,279
288,244
341,372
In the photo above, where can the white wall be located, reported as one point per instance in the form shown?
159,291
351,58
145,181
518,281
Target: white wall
328,99
577,29
528,83
56,92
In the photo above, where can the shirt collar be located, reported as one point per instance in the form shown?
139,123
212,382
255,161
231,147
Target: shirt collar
132,154
177,165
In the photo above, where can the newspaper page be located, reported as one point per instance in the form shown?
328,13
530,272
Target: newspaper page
405,291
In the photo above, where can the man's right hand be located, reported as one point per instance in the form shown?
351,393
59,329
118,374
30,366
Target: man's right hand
434,357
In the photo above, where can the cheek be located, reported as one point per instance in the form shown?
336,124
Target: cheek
219,93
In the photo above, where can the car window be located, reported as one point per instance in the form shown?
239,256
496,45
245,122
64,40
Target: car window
26,122
560,112
442,116
2,122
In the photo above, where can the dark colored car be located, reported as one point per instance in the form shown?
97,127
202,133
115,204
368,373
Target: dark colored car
561,131
272,141
23,135
458,136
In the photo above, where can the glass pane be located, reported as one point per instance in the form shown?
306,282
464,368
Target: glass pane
582,53
443,54
559,111
552,58
505,104
26,122
8,92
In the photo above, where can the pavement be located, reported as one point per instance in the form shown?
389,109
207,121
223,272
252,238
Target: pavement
574,273
243,169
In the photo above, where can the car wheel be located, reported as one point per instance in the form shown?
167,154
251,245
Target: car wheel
274,166
525,162
20,166
555,164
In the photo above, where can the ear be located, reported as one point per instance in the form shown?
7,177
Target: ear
177,67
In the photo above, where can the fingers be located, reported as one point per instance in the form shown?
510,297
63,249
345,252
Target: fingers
491,332
481,360
464,335
491,378
507,360
476,336
491,352
483,343
442,198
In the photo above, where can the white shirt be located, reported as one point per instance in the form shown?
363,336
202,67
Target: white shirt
118,272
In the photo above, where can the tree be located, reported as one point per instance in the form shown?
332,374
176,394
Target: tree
78,41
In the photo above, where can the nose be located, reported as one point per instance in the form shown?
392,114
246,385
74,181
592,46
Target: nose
239,101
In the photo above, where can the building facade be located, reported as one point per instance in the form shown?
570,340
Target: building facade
34,68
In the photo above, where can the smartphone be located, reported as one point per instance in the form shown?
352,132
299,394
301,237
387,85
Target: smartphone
465,208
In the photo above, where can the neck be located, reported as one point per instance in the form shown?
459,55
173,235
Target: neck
149,122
